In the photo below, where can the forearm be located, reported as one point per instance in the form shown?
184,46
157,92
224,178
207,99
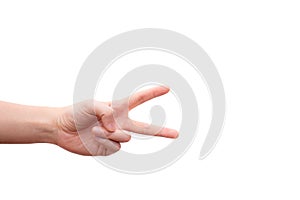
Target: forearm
27,124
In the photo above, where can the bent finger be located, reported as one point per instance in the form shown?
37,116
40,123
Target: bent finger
118,135
110,146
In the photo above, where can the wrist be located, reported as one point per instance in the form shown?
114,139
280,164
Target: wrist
46,125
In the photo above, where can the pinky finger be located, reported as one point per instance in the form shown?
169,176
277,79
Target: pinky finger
109,145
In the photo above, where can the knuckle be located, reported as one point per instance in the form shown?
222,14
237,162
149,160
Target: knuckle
140,98
109,112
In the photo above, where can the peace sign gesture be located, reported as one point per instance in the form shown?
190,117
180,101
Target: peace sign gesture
100,125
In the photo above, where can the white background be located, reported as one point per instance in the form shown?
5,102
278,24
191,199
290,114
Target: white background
255,46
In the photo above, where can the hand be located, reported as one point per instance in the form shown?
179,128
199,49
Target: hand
100,124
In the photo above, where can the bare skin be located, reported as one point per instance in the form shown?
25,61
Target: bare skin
100,125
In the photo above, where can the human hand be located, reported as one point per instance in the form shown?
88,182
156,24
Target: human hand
101,124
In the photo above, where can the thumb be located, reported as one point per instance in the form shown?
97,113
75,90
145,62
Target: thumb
105,114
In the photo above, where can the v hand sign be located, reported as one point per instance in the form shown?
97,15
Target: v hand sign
95,128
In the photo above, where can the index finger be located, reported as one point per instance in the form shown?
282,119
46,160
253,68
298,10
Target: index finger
146,95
